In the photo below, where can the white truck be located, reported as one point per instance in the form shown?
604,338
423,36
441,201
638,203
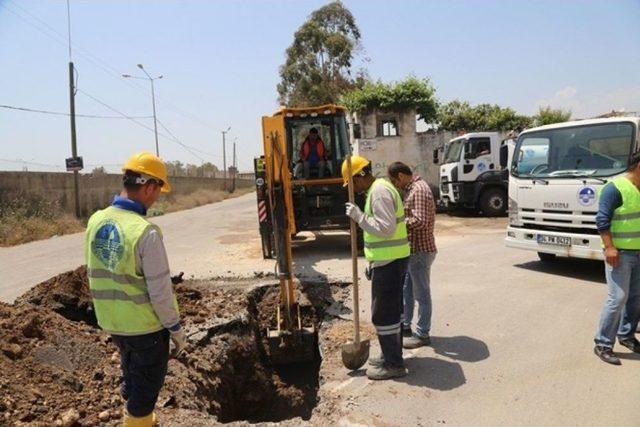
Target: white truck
555,178
472,174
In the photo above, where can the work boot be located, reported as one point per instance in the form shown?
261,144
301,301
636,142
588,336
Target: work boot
416,341
606,355
376,361
631,343
386,372
146,421
406,331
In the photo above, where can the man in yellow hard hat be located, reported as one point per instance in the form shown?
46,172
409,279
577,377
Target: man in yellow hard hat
386,247
131,286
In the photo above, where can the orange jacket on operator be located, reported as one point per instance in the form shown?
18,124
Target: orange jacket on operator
306,148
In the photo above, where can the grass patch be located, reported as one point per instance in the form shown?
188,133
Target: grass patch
27,218
24,218
179,202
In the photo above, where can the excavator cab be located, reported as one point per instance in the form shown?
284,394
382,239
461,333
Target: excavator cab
297,192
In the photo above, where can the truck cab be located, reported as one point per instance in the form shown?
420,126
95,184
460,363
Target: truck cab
556,176
471,174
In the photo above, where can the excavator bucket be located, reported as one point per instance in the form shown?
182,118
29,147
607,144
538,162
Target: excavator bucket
297,345
290,341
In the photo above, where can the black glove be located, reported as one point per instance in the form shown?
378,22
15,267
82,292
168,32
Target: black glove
177,278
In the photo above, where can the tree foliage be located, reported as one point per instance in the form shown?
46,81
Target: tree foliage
547,116
460,115
411,92
177,168
318,66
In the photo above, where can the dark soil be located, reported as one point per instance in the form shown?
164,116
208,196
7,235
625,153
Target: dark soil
54,359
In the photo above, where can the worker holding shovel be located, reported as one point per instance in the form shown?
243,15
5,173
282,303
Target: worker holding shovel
131,286
386,247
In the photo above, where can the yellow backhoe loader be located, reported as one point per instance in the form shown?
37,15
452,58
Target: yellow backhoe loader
293,196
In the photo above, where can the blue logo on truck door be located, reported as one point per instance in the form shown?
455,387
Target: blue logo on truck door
587,196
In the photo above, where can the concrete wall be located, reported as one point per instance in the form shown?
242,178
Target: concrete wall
96,191
410,147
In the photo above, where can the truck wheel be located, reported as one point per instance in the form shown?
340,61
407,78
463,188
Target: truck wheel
545,257
493,202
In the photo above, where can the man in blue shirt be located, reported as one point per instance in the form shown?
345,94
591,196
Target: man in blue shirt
618,222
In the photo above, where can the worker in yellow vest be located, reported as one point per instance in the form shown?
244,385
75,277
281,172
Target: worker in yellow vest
618,222
386,247
131,286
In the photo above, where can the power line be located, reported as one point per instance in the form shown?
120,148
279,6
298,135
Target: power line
98,62
172,139
188,147
58,113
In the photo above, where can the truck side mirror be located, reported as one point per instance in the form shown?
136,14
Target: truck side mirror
435,156
357,131
504,156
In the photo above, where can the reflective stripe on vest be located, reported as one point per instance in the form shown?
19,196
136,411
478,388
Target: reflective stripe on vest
392,248
625,224
120,296
123,279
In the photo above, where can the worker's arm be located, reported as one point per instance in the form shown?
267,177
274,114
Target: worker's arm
610,200
383,221
154,266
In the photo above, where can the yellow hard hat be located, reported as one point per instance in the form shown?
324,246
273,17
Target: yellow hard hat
148,163
357,164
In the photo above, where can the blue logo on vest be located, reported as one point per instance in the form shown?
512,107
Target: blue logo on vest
587,196
108,245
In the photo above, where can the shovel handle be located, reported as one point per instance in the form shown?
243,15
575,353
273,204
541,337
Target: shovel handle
354,257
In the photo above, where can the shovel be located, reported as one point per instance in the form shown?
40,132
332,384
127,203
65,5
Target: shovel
354,354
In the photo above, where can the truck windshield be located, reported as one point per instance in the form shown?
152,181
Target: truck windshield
453,151
579,151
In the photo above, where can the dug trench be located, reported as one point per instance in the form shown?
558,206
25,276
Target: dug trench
57,367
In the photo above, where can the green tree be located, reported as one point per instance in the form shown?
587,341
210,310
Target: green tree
318,66
460,115
411,92
547,116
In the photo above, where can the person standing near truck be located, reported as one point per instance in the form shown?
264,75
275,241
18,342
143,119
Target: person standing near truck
420,211
131,287
618,222
387,249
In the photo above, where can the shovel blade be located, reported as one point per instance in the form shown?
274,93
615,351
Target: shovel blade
354,356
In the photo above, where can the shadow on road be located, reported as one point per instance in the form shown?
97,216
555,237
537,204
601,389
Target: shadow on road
628,356
309,250
575,268
462,348
434,373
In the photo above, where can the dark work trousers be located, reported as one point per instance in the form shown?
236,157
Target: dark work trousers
386,308
143,359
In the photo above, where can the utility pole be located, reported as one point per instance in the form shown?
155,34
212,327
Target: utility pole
153,100
224,156
72,116
235,168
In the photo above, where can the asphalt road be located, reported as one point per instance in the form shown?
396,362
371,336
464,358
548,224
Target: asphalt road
512,337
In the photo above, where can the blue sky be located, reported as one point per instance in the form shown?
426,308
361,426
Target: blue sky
220,64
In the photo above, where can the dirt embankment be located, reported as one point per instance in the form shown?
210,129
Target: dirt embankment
57,367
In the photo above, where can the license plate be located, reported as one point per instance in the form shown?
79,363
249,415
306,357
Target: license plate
544,239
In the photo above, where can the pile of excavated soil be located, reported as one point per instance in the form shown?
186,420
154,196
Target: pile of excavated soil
57,367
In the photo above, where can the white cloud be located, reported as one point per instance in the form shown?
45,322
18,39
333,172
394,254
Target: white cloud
584,105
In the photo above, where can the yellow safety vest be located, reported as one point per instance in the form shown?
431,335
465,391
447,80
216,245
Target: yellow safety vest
392,248
120,295
625,224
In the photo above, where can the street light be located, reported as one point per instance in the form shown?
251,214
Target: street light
224,156
153,100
